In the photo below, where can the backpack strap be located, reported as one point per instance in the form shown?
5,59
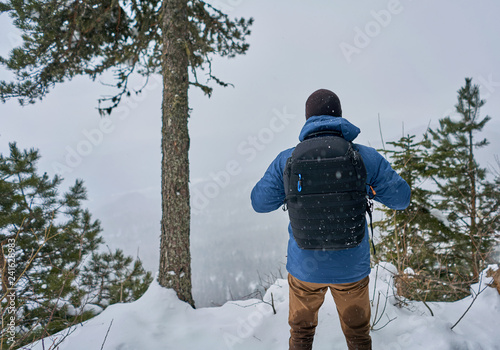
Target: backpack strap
369,210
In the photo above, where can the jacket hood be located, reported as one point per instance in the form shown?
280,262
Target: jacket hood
328,123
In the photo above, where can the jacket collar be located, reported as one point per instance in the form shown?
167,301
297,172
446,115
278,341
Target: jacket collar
328,123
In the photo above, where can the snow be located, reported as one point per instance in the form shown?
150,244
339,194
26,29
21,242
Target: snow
159,320
440,216
409,271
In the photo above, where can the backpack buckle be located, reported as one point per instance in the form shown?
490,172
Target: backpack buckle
284,206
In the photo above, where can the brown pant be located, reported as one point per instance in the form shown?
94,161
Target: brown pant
353,306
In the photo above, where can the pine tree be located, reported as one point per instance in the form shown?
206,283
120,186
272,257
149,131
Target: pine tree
409,237
49,258
448,232
109,279
464,193
87,37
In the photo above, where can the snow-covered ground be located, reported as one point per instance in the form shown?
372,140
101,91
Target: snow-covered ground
159,320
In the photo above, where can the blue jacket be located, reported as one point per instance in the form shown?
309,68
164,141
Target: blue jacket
344,266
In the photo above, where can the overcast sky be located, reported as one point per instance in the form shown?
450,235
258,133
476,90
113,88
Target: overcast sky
403,60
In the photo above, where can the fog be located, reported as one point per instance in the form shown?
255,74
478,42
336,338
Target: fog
396,66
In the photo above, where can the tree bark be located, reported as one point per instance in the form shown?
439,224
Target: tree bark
175,257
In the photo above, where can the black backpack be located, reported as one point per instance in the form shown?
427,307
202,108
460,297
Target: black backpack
325,187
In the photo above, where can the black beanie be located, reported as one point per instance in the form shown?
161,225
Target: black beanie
323,102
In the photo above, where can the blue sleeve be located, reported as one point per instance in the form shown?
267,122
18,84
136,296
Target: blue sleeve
269,193
390,188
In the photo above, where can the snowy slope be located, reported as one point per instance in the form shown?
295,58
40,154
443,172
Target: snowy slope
159,320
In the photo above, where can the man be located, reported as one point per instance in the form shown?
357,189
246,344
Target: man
345,272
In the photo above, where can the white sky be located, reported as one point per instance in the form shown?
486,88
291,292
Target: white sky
408,71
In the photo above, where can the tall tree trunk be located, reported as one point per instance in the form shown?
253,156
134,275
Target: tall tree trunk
175,258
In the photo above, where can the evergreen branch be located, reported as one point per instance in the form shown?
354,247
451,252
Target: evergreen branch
211,76
205,88
116,99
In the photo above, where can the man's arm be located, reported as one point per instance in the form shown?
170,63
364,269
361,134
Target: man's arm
269,193
391,189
